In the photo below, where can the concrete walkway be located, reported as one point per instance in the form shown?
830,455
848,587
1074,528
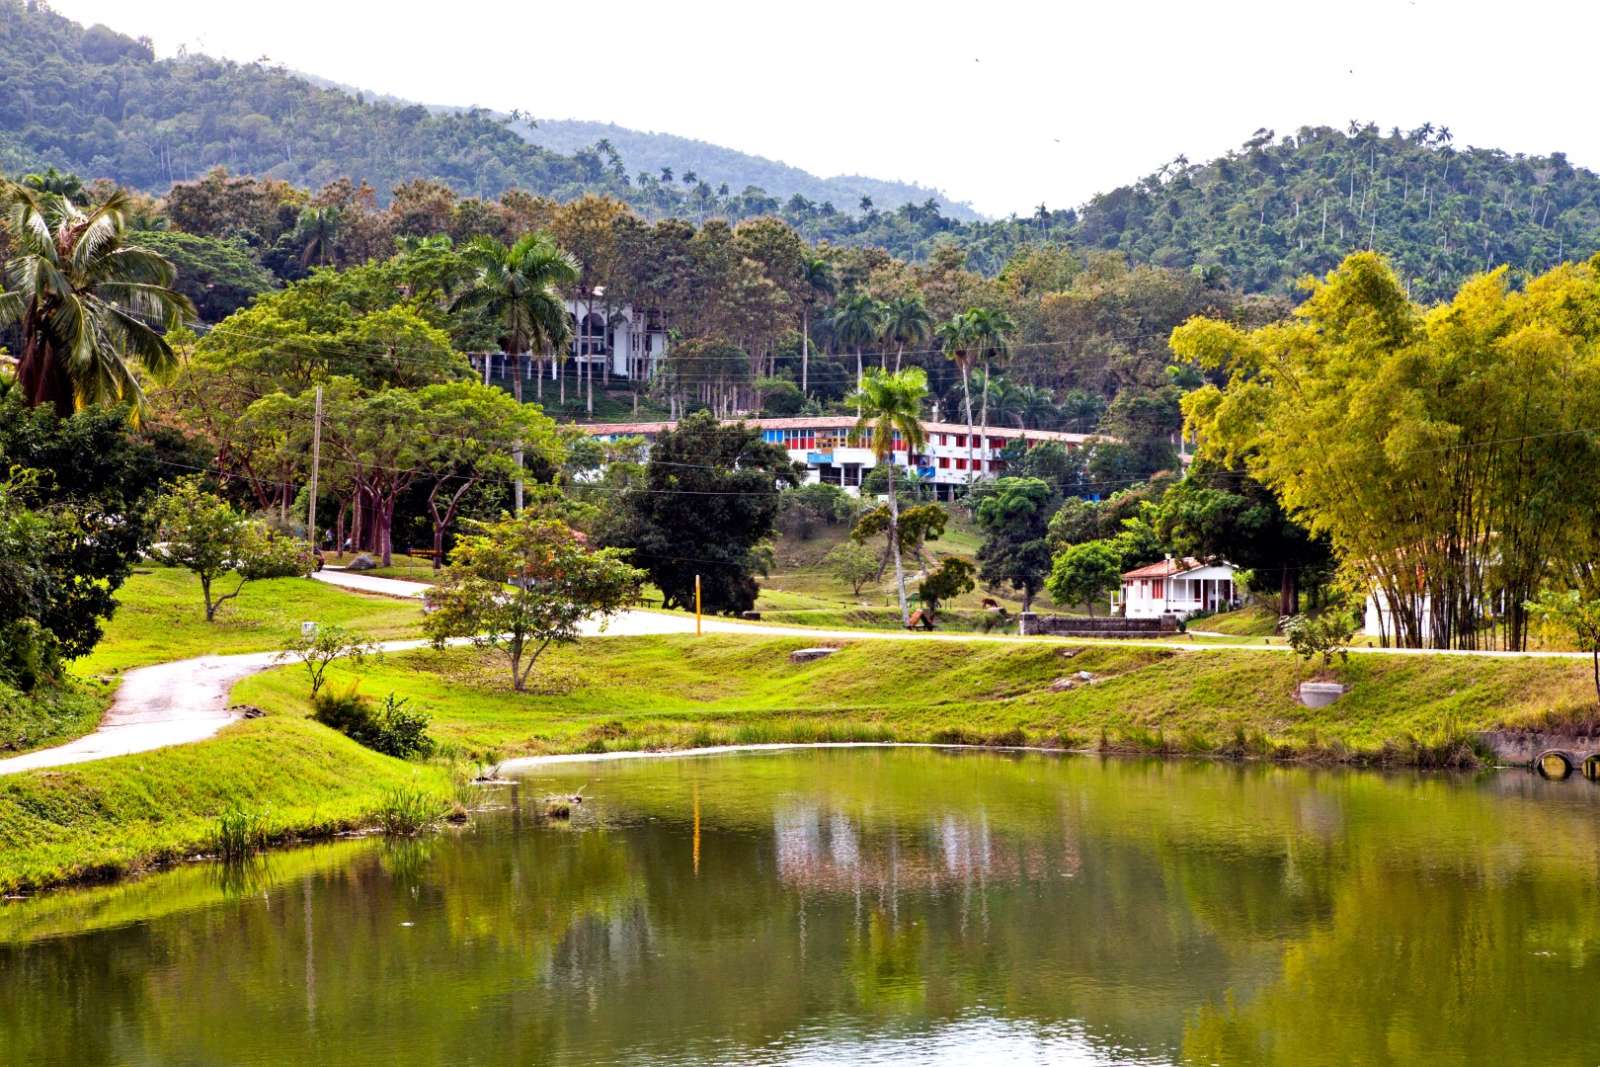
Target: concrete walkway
166,704
368,583
187,700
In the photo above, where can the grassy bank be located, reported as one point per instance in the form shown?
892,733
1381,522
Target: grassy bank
294,778
50,714
676,692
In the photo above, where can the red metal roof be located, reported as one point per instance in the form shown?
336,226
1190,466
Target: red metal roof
838,422
1165,569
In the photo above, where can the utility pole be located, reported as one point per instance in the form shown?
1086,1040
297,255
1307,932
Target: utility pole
697,605
316,463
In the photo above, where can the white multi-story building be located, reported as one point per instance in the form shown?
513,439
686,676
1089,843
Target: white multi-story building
633,342
834,454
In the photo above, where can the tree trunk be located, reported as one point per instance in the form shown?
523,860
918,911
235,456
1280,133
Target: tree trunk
43,377
805,353
205,591
1289,592
894,543
516,377
966,397
985,430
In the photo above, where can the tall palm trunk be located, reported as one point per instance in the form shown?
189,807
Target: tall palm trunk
894,541
966,399
859,377
516,376
40,372
900,350
985,430
805,352
538,379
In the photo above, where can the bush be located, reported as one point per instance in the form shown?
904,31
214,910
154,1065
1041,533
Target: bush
394,730
805,508
405,809
239,833
1326,636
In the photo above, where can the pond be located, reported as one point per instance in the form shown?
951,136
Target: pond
861,906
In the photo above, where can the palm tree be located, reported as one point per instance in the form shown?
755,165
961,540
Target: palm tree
318,230
1036,407
907,322
956,336
520,287
816,280
90,306
890,404
858,321
991,332
52,182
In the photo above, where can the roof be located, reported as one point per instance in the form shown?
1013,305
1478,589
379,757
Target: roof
1166,568
835,422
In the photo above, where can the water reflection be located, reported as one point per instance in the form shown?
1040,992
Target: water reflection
881,906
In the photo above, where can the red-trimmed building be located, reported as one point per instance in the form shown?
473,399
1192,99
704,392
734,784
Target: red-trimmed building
832,453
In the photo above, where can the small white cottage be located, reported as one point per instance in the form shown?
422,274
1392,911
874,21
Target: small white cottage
1178,587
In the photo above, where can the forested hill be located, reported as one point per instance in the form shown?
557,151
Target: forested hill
690,160
1278,208
97,103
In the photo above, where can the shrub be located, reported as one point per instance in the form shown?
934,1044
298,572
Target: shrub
239,833
395,730
1325,636
405,809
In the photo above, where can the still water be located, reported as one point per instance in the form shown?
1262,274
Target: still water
862,906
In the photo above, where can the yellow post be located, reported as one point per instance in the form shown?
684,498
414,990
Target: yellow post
697,605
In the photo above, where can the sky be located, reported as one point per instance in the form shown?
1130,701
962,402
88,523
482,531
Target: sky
1003,104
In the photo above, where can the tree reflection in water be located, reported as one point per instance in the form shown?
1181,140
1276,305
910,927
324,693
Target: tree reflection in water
837,905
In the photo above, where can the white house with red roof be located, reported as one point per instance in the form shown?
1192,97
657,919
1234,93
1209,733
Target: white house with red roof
1179,587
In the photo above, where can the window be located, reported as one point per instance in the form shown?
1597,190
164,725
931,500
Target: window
997,442
961,463
1156,588
961,440
944,461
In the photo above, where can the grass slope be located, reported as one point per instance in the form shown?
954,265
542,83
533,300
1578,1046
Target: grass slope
673,692
161,617
103,818
50,714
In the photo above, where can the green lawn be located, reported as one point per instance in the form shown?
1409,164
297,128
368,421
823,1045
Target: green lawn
160,616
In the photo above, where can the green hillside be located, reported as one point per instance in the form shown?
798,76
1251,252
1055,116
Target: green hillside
97,103
649,152
1278,208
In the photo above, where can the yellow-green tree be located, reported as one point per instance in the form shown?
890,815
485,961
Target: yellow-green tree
1446,452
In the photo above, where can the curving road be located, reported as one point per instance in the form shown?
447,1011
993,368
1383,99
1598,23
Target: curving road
187,700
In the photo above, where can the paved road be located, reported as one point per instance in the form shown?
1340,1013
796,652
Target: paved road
187,700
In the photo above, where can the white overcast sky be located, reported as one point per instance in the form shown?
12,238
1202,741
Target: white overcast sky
1005,104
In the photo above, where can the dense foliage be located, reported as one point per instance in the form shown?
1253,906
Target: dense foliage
1447,454
706,507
